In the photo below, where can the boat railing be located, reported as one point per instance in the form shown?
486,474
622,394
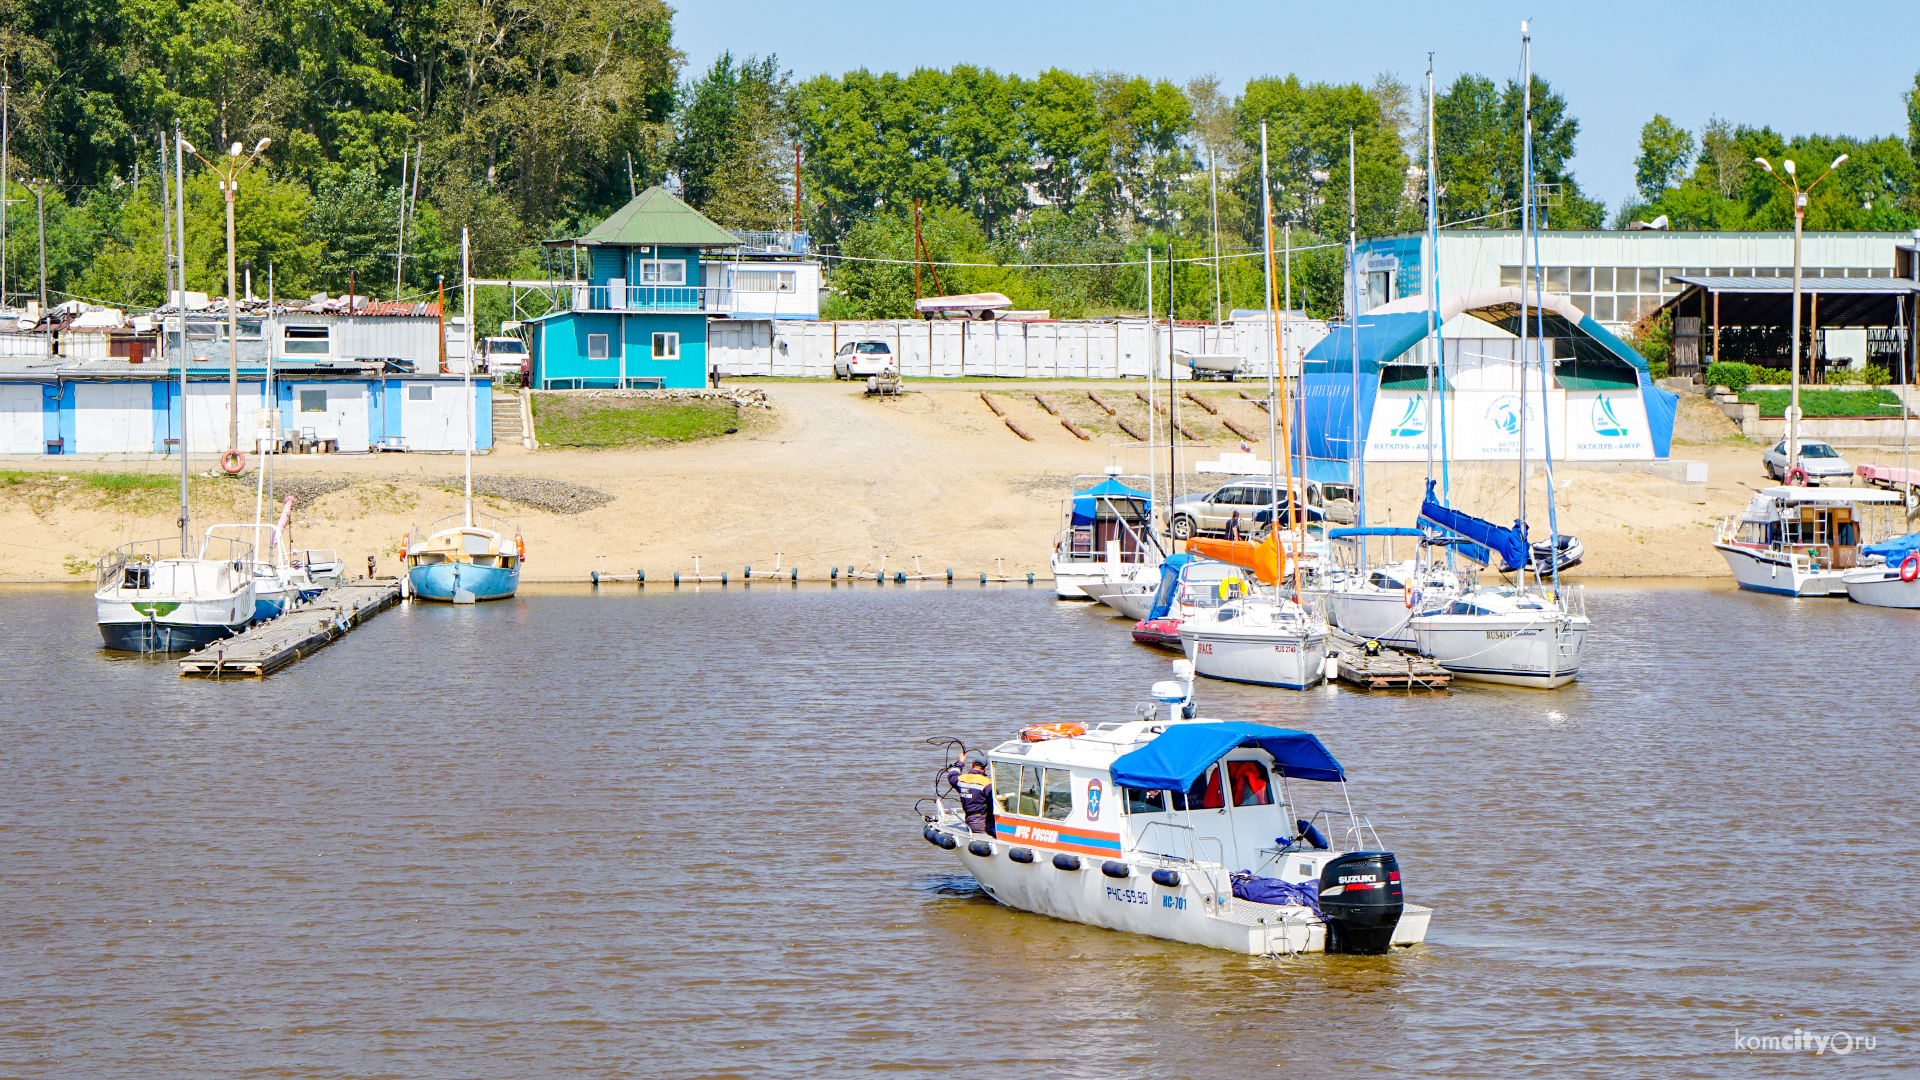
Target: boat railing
129,566
1573,600
1357,831
1177,843
480,521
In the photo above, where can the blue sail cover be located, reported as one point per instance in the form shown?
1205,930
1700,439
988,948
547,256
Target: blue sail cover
1896,550
1169,581
1509,543
1087,503
1174,760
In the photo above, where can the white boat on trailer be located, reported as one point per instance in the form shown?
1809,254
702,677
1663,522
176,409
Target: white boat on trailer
1798,541
1108,536
1137,826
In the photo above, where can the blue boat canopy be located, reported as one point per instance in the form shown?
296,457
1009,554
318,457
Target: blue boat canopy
1087,503
1174,760
1169,580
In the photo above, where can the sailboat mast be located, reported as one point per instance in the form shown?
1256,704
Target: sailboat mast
1153,383
1355,446
466,300
1173,421
1213,180
180,261
1429,271
1526,219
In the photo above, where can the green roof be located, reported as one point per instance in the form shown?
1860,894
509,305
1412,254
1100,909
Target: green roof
655,216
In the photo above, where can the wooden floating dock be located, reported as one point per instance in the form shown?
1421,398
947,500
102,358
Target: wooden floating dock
298,633
1391,670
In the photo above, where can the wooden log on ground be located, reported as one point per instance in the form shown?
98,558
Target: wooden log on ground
1095,398
1068,424
1051,411
1015,428
1240,431
991,405
1128,428
1260,402
1211,408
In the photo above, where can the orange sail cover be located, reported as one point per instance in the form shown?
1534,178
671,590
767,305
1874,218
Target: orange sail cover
1265,558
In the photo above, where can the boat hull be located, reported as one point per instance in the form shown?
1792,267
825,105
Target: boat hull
1374,614
1507,651
1288,659
1200,910
1124,597
440,581
1158,632
1768,571
1881,587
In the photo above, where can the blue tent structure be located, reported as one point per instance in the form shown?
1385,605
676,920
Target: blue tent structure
1087,503
1324,409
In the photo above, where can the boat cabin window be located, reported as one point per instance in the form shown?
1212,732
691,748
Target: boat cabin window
1249,782
1057,801
1029,801
1467,607
1006,785
1204,794
1142,801
1382,580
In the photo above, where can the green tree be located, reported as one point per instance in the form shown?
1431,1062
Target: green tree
1665,150
1061,117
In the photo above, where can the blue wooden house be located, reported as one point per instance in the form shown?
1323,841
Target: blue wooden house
640,319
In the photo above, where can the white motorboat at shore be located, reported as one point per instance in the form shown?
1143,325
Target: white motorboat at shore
1108,536
1889,576
1138,826
1798,541
1511,636
154,596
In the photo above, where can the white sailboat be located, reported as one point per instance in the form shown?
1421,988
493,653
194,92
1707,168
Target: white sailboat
166,595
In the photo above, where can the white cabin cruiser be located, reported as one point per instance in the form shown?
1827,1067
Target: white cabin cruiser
1888,575
154,596
1139,826
1505,635
1108,536
1798,541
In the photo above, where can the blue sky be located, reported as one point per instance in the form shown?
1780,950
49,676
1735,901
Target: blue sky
1832,68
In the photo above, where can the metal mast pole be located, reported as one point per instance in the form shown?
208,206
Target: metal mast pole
1793,408
1213,179
40,208
180,255
1526,218
1430,271
1356,447
6,178
167,255
400,247
229,186
1153,381
1173,404
466,285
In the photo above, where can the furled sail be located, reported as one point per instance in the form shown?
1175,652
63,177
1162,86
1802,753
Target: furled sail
1510,543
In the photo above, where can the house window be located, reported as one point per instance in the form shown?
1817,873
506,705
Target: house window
313,401
203,331
666,346
663,272
305,341
596,346
763,280
420,393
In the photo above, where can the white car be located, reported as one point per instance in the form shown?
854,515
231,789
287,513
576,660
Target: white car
859,359
1820,461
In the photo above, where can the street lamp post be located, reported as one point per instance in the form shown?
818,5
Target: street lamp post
229,186
1792,183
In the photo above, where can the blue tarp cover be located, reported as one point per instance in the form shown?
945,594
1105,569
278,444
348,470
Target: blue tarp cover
1509,543
1174,760
1895,551
1086,503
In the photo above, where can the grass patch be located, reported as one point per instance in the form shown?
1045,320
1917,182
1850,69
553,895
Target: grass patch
130,483
602,422
1825,402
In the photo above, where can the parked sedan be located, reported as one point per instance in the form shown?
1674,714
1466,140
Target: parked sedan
860,359
1820,461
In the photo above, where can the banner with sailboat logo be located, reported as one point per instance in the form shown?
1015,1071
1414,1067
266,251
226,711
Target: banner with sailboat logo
1484,425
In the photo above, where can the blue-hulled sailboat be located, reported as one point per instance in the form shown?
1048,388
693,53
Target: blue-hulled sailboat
471,558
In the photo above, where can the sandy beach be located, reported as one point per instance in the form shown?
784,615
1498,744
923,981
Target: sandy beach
828,477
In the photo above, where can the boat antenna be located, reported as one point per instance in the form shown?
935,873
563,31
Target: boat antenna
466,289
1526,221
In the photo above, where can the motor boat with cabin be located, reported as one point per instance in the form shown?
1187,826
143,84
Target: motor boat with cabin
461,561
323,567
1517,637
1888,574
158,596
1186,829
1189,585
1378,603
1108,535
1800,541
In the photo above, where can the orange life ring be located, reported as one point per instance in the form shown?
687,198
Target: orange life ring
406,541
1910,566
1043,732
520,546
1406,596
1799,472
233,463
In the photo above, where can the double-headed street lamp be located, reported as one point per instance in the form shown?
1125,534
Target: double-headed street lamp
1792,183
229,185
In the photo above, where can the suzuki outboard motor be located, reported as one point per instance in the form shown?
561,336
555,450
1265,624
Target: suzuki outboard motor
1361,902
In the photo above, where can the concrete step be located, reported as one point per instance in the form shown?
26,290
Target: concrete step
506,418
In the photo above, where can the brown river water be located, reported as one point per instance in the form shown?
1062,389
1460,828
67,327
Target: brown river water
671,834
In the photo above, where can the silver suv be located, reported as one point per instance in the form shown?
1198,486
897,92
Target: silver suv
1208,514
